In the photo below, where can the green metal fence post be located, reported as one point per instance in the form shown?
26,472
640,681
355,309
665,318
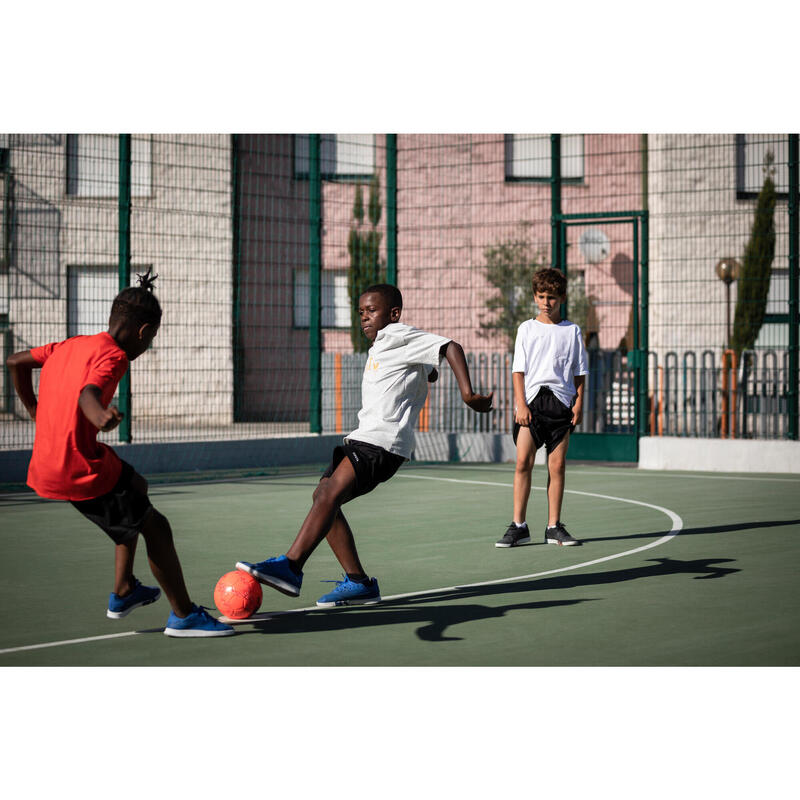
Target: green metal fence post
124,255
315,280
236,332
794,299
391,208
644,344
555,200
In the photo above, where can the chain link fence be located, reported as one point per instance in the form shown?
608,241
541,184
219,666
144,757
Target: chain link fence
262,243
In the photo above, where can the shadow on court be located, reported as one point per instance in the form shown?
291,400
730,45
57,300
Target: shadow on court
438,618
696,531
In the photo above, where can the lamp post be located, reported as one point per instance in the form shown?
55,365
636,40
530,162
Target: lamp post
728,271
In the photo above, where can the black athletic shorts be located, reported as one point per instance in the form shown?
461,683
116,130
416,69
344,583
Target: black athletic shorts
551,420
120,512
372,464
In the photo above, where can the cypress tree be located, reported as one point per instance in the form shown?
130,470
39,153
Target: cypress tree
366,265
751,297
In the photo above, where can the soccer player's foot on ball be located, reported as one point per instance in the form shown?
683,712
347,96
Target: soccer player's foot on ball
119,607
196,625
558,534
514,536
275,572
351,593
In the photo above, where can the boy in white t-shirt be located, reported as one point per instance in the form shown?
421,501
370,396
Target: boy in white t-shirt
401,363
548,377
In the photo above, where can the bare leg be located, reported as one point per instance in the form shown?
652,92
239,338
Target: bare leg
123,566
526,453
556,468
164,562
340,538
329,495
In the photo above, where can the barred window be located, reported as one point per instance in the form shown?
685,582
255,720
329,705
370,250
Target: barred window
527,157
335,300
93,165
342,155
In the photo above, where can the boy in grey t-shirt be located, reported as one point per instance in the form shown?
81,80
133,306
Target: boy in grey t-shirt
548,374
401,363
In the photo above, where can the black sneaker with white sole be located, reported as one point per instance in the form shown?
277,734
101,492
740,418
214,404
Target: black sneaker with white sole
558,534
514,536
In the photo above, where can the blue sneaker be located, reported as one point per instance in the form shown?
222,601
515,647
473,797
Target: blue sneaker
274,572
119,607
351,593
198,623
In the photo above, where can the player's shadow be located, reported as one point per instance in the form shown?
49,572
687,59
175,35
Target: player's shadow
433,620
741,526
426,607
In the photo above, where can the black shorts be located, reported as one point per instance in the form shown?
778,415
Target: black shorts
120,512
551,420
372,464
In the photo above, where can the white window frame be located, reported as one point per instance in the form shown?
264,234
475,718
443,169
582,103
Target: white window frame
93,165
342,155
335,300
527,157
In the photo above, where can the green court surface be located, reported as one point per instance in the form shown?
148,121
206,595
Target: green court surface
677,569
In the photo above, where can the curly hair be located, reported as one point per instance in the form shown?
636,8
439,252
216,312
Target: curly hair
549,280
137,304
391,294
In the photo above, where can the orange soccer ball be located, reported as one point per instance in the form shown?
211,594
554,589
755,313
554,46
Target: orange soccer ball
237,595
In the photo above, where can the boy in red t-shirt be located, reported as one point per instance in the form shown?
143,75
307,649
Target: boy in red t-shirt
78,379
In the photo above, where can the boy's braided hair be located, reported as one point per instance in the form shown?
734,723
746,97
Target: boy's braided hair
138,304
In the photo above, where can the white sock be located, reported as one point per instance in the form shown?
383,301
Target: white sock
520,524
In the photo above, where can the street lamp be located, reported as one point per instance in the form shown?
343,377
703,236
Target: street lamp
728,271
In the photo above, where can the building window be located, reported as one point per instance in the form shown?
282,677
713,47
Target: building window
751,154
335,299
93,165
342,155
527,157
90,292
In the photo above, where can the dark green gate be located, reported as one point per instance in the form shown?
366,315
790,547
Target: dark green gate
615,399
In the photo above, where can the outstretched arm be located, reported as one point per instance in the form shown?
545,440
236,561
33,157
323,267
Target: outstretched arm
454,354
90,402
20,366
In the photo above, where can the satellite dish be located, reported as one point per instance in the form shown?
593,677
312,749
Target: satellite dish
594,245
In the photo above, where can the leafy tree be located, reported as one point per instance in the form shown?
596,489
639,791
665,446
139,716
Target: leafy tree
366,265
751,298
509,267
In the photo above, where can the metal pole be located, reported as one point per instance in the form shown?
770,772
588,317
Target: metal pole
391,208
555,200
236,345
794,299
644,346
315,280
124,255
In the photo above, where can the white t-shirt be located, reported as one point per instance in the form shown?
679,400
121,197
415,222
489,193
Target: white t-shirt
550,355
395,386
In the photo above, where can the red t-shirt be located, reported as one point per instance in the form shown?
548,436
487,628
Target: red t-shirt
68,463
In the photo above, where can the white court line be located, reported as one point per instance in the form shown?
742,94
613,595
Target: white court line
677,526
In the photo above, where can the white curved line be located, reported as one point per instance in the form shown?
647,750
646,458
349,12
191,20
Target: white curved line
677,526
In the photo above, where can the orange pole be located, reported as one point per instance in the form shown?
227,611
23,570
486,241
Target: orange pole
424,415
337,389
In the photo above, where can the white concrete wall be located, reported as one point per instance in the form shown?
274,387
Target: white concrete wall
719,455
